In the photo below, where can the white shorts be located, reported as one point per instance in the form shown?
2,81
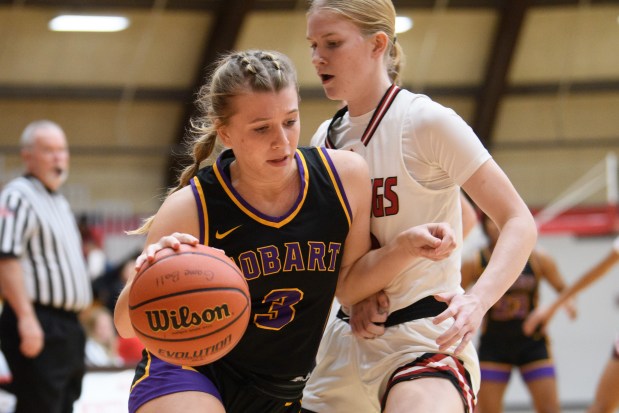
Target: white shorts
352,373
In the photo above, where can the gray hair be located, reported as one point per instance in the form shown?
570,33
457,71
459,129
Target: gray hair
27,136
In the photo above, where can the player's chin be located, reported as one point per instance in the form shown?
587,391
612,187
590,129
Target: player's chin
332,95
331,91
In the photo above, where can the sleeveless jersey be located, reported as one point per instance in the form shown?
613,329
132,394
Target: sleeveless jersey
400,201
290,262
506,316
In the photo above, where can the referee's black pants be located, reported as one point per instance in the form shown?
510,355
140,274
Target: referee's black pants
52,381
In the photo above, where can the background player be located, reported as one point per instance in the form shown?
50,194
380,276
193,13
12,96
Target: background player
606,396
503,343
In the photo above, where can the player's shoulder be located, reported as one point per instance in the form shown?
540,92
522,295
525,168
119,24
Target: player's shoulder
424,110
321,134
352,169
346,160
349,166
179,200
178,213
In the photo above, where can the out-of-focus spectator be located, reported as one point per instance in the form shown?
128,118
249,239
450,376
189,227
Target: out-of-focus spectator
92,246
107,287
101,338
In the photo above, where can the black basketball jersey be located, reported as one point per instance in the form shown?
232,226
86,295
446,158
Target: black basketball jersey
291,262
507,315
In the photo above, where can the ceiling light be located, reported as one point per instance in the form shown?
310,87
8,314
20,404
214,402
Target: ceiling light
81,23
403,24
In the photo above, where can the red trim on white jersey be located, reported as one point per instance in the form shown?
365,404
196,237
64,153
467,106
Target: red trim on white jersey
377,117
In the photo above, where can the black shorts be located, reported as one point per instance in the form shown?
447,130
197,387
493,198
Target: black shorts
247,394
517,350
52,381
499,354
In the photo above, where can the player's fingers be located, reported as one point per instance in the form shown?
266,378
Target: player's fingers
185,238
449,312
139,261
447,344
173,241
443,231
170,241
463,343
366,329
442,316
360,330
150,251
375,330
437,254
453,334
446,247
379,318
383,302
448,339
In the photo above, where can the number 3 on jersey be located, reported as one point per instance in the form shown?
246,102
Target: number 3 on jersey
282,311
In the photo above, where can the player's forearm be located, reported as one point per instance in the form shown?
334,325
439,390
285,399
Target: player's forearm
511,252
372,273
585,280
121,314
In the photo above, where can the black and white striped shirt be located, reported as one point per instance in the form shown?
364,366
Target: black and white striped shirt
38,227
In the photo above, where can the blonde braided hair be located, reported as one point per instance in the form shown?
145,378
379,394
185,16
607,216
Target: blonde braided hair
234,74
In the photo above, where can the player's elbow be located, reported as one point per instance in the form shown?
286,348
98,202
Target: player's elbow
123,326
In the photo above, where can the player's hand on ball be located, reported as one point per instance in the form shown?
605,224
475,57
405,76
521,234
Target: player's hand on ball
173,241
189,306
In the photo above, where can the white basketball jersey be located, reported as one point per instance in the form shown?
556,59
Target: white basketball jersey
400,201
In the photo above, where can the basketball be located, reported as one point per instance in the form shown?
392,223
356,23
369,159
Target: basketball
189,306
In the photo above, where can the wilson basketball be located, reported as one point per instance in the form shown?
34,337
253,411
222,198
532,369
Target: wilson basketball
190,306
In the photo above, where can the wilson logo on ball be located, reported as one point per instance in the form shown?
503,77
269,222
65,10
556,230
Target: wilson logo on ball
183,318
189,306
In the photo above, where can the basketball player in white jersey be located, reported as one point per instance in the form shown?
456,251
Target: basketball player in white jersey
420,154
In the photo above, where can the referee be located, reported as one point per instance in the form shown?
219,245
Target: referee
43,278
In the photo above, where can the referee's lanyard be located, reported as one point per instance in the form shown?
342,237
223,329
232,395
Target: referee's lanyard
377,117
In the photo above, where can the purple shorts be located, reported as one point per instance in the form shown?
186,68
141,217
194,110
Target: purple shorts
155,378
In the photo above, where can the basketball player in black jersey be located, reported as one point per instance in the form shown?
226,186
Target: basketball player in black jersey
503,342
295,220
606,399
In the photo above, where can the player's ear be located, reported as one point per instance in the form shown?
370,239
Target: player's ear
380,40
222,132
